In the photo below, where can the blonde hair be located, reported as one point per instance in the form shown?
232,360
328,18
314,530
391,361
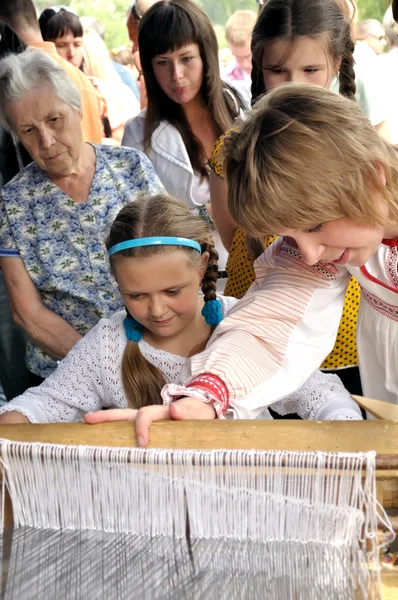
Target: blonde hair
149,216
305,156
97,62
239,27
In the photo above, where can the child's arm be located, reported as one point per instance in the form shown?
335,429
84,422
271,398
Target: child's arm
323,397
180,410
274,338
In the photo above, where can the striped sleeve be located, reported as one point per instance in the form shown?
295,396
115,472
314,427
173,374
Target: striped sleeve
8,247
278,334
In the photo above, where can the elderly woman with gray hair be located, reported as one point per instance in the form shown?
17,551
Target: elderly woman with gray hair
55,213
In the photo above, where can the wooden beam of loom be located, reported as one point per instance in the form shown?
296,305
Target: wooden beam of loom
327,436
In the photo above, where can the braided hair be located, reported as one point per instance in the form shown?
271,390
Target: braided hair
209,280
290,19
149,216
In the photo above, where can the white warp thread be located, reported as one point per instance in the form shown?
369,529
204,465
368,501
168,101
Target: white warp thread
298,505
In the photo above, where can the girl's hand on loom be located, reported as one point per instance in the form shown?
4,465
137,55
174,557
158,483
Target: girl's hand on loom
185,408
107,416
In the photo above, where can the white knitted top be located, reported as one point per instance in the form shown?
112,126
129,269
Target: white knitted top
89,378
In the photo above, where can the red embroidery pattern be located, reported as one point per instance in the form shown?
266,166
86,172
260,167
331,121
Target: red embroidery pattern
326,270
371,277
388,310
215,388
392,265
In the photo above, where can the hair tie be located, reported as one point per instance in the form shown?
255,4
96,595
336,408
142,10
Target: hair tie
159,240
133,329
212,312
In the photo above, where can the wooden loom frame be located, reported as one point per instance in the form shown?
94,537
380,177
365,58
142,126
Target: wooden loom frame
332,436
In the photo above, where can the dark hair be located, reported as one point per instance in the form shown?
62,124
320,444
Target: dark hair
16,13
306,18
57,24
391,28
167,26
395,9
149,216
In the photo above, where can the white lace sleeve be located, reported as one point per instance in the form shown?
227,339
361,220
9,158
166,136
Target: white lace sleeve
74,388
323,397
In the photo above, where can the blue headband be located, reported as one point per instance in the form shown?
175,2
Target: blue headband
155,241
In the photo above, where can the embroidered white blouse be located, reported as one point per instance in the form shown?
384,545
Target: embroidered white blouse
89,378
279,333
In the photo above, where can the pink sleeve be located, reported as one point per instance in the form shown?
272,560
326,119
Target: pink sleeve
280,332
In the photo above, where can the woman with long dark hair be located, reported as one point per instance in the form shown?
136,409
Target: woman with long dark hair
189,106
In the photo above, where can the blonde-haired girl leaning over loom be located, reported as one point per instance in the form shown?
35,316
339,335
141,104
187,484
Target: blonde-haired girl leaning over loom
297,41
308,165
161,255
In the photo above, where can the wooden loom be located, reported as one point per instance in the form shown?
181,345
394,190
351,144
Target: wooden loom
344,436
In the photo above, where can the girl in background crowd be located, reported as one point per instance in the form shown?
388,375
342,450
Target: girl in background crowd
300,42
160,255
189,106
61,25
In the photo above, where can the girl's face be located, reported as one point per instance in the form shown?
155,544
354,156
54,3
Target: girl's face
304,60
341,242
180,73
161,291
70,48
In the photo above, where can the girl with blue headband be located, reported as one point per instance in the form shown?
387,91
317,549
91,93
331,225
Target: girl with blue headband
161,255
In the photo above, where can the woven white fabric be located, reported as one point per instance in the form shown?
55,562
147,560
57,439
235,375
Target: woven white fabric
89,379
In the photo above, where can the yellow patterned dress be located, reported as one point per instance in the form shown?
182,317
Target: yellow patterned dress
241,275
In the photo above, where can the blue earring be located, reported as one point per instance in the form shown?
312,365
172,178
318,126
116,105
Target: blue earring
212,312
133,329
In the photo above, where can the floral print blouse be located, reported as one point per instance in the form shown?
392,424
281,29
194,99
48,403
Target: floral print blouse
62,242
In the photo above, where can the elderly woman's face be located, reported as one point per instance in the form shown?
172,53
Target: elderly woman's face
49,129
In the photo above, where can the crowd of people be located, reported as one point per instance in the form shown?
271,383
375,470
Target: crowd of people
182,238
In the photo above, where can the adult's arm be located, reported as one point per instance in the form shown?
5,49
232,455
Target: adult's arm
73,389
225,224
44,327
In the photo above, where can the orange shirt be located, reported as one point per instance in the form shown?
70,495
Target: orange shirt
91,121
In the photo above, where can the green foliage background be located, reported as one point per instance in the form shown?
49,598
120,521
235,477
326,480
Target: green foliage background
373,9
112,13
